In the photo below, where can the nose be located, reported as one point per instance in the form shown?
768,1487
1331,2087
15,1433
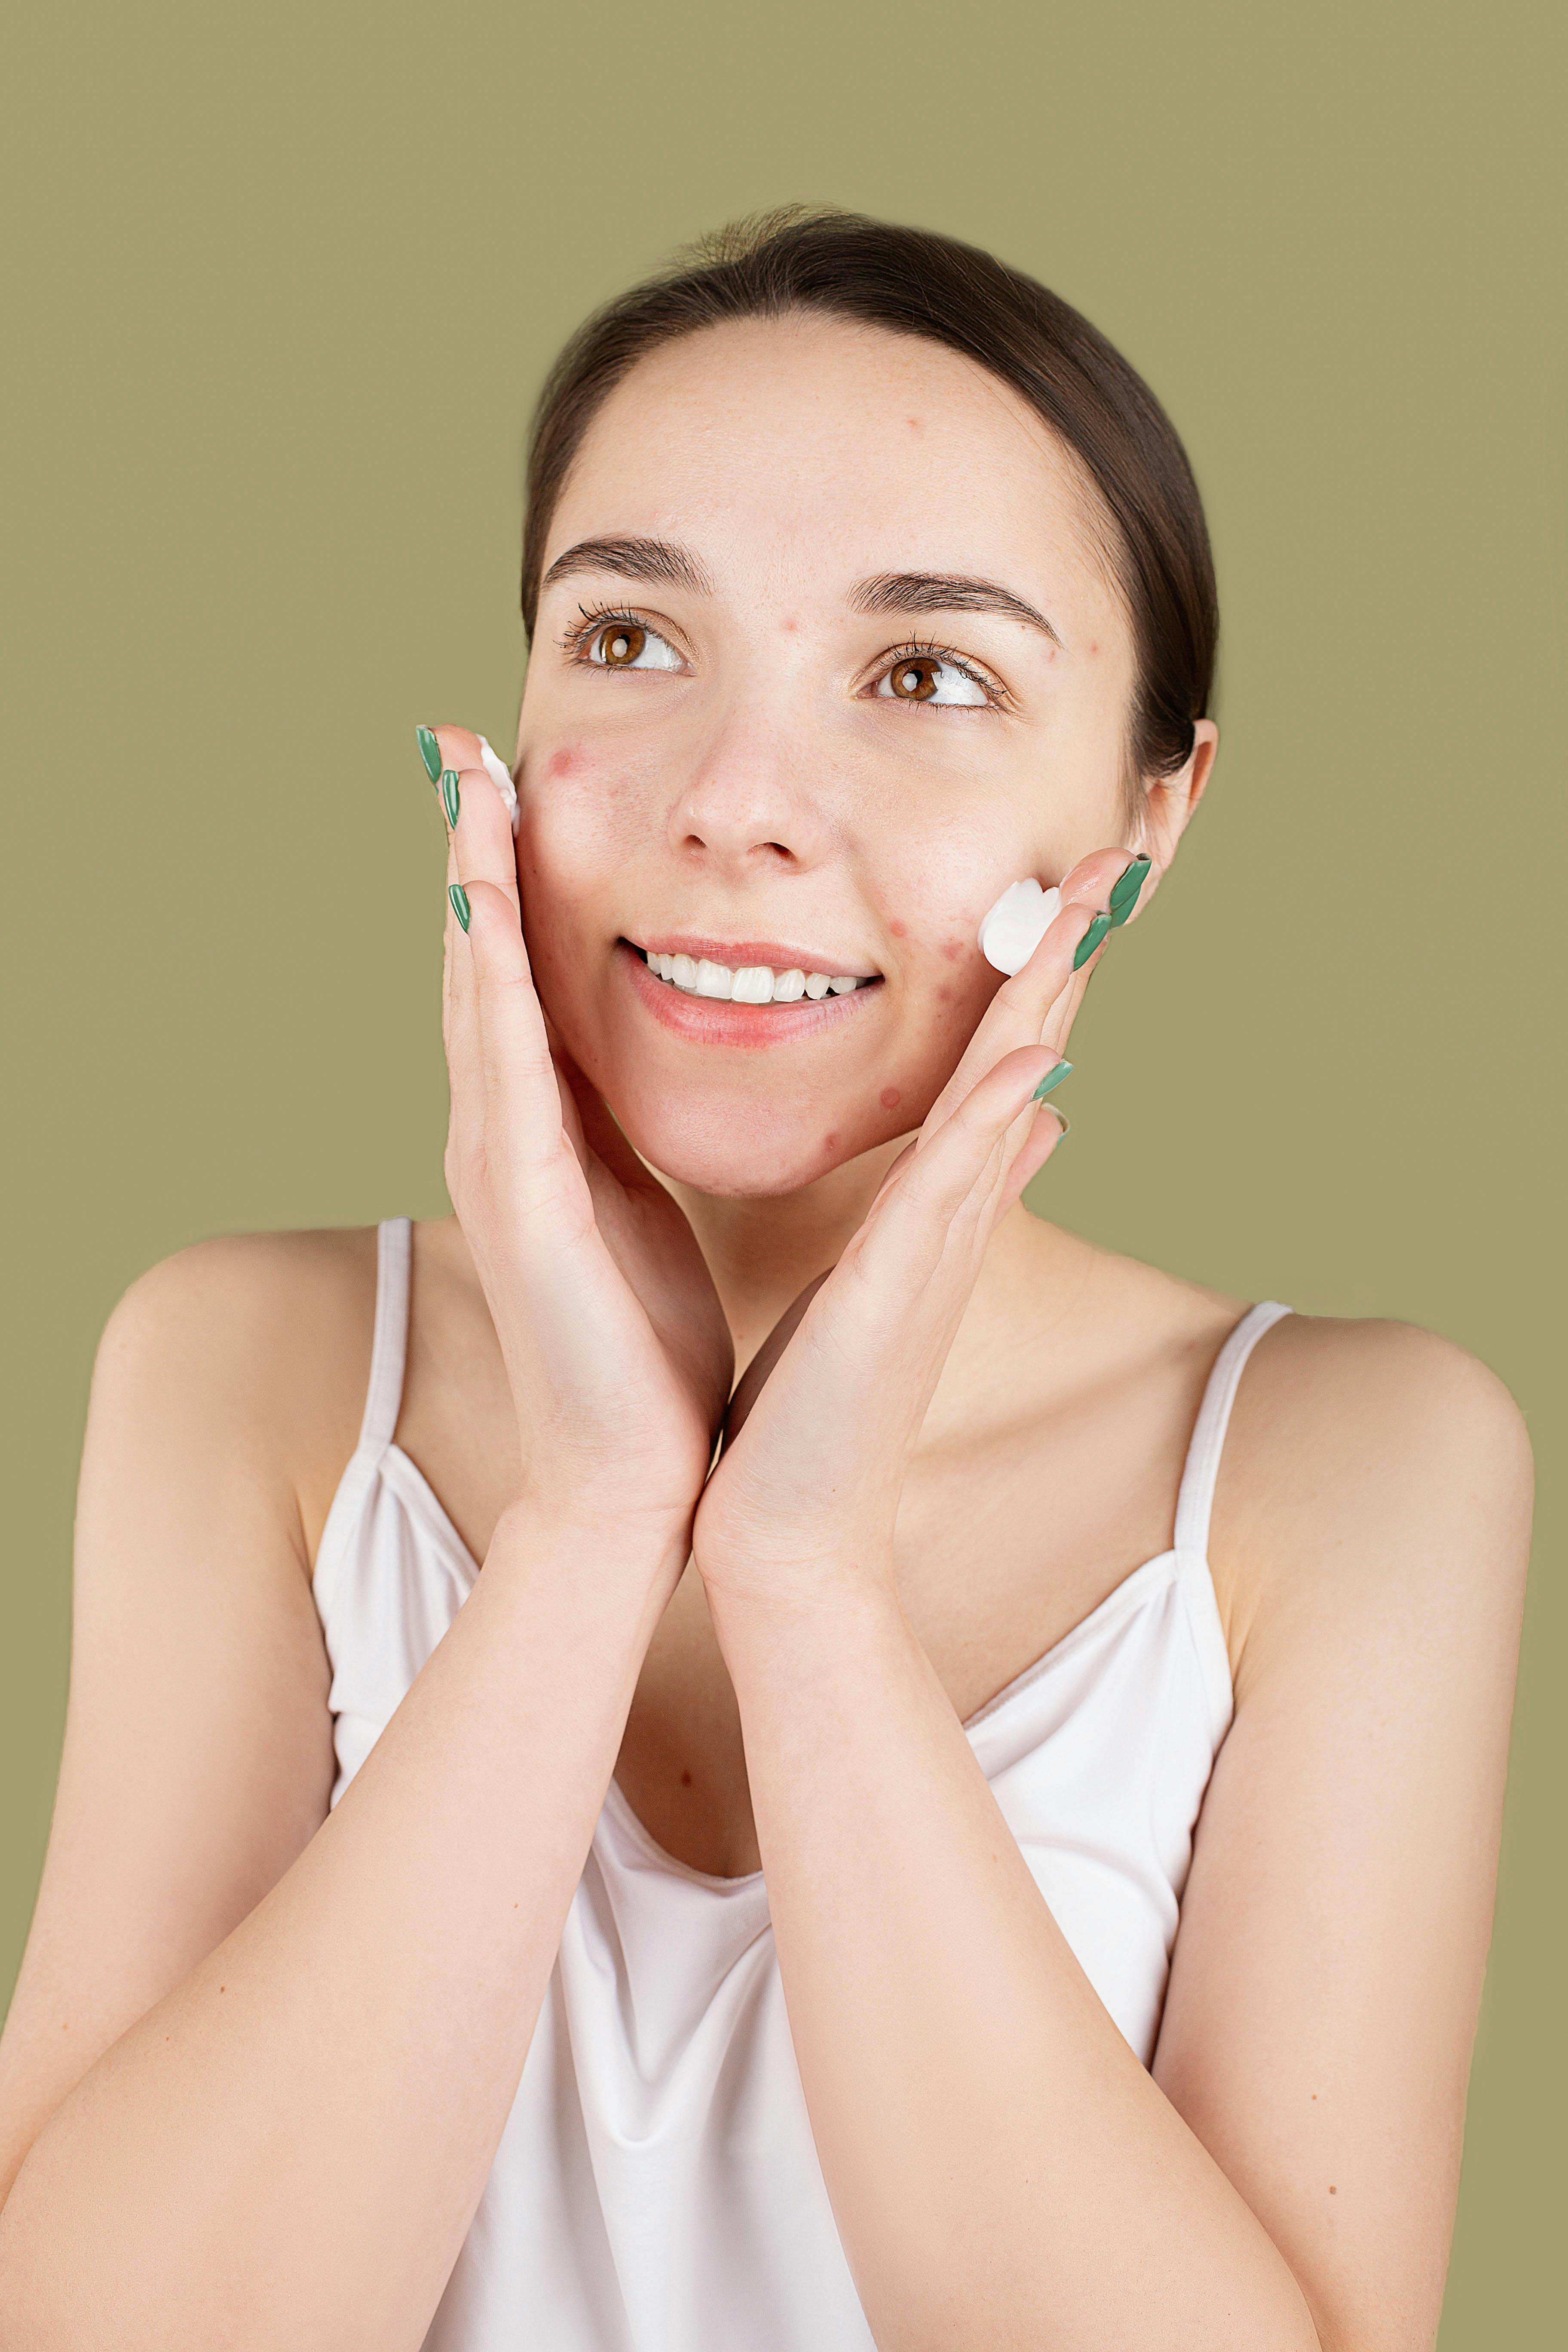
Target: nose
744,810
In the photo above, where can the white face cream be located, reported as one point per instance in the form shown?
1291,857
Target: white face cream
495,768
1014,926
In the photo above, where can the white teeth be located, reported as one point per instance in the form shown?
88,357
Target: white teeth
753,983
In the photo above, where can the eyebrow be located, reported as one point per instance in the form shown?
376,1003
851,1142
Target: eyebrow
633,559
943,591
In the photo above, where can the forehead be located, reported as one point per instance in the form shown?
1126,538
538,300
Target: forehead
815,446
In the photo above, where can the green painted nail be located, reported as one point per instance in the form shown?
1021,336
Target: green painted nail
1124,895
1090,940
430,753
459,897
1053,1077
450,794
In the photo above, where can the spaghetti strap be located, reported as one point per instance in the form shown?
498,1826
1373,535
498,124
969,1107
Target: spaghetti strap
1194,1502
389,1348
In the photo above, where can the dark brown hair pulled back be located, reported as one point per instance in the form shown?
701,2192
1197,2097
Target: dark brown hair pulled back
918,283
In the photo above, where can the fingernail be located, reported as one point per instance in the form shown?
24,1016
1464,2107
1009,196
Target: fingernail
450,794
1090,940
459,897
1125,894
1053,1077
429,751
1066,1125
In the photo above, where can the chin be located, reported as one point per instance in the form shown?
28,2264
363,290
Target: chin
744,1150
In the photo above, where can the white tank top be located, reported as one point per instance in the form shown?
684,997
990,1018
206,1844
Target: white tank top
657,2188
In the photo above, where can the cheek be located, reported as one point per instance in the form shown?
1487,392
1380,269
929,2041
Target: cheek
581,811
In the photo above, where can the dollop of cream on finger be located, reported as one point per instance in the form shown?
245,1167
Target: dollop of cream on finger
1012,928
501,776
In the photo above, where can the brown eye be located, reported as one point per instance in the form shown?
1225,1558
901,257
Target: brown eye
914,681
620,644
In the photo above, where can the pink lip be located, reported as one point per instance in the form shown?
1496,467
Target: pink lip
737,953
717,1021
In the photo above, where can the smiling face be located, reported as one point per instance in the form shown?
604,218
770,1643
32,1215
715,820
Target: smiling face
827,655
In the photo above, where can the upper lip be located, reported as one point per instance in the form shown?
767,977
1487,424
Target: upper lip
778,955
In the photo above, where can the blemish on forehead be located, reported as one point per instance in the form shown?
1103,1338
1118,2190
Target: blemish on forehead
900,930
889,1099
830,1143
915,426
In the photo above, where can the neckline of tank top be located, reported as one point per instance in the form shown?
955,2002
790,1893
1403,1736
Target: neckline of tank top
1132,1587
1178,1559
1129,1591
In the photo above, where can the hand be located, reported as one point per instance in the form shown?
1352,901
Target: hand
822,1424
616,1346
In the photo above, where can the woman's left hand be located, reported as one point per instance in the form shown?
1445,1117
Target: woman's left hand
803,1501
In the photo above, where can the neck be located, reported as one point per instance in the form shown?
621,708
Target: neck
762,1252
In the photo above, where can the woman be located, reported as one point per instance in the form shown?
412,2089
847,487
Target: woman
767,1905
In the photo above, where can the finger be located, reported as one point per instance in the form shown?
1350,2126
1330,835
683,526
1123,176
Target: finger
1018,1013
475,813
1039,1145
520,1100
950,1188
479,846
1037,1005
460,1037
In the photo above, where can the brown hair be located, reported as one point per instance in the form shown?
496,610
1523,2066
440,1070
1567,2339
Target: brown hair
916,282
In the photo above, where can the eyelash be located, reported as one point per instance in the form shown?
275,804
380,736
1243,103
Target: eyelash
575,640
996,695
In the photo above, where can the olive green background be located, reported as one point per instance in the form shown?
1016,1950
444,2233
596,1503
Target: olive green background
285,280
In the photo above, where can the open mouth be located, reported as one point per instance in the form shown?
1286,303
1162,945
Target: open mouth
749,983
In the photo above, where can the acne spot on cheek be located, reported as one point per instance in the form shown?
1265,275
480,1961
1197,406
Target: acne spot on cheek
900,930
889,1099
830,1143
561,763
944,996
953,949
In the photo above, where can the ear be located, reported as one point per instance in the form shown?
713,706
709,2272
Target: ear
1168,803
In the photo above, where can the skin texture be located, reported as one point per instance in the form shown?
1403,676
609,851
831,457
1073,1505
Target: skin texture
776,1669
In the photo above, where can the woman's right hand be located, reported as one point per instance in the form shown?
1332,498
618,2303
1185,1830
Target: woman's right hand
616,1346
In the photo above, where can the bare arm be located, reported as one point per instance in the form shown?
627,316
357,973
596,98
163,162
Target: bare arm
285,2149
1002,2168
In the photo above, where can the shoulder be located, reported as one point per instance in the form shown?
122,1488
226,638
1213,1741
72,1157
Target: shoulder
1368,1463
251,1348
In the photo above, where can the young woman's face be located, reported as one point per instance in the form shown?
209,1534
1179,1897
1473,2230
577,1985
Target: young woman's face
826,657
